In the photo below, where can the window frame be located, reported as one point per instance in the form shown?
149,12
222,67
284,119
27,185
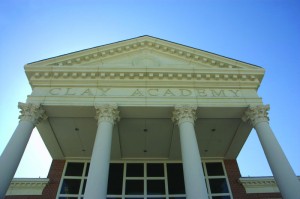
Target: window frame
145,178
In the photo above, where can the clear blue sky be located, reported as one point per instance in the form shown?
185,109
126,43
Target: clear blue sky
261,32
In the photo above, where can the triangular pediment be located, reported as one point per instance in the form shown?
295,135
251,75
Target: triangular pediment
145,51
143,58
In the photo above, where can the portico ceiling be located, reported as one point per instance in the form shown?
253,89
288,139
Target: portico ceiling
143,133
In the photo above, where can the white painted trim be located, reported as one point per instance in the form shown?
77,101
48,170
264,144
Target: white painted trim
27,186
260,184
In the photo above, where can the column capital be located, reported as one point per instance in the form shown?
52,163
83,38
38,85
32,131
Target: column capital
31,112
108,113
184,113
256,114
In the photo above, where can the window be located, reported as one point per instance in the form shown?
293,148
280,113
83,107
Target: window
144,180
74,180
216,180
175,178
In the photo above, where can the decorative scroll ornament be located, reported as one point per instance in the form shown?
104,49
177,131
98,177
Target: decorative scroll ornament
184,113
256,114
108,113
31,112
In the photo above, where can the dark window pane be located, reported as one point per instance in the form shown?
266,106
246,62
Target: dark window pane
176,197
134,187
135,170
74,169
70,186
214,169
156,198
221,197
134,198
115,179
67,197
83,187
175,178
155,170
218,185
113,198
87,169
156,187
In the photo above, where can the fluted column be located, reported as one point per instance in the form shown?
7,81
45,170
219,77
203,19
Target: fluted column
96,186
194,179
284,175
30,116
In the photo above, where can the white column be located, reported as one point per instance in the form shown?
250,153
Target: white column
30,115
284,175
194,180
96,186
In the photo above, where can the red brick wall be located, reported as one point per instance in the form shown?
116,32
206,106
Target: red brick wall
237,189
54,175
51,188
23,197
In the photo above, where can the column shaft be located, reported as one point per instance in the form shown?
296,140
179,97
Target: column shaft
284,175
31,114
192,167
194,180
96,186
13,153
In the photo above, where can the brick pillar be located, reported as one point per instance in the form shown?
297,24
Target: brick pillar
54,176
237,189
233,173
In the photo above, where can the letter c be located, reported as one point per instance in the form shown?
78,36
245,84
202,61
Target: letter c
55,91
153,93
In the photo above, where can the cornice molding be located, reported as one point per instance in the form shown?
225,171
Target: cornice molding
260,184
142,75
138,78
27,186
107,51
261,181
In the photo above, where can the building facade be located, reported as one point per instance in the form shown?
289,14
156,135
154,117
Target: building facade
145,118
